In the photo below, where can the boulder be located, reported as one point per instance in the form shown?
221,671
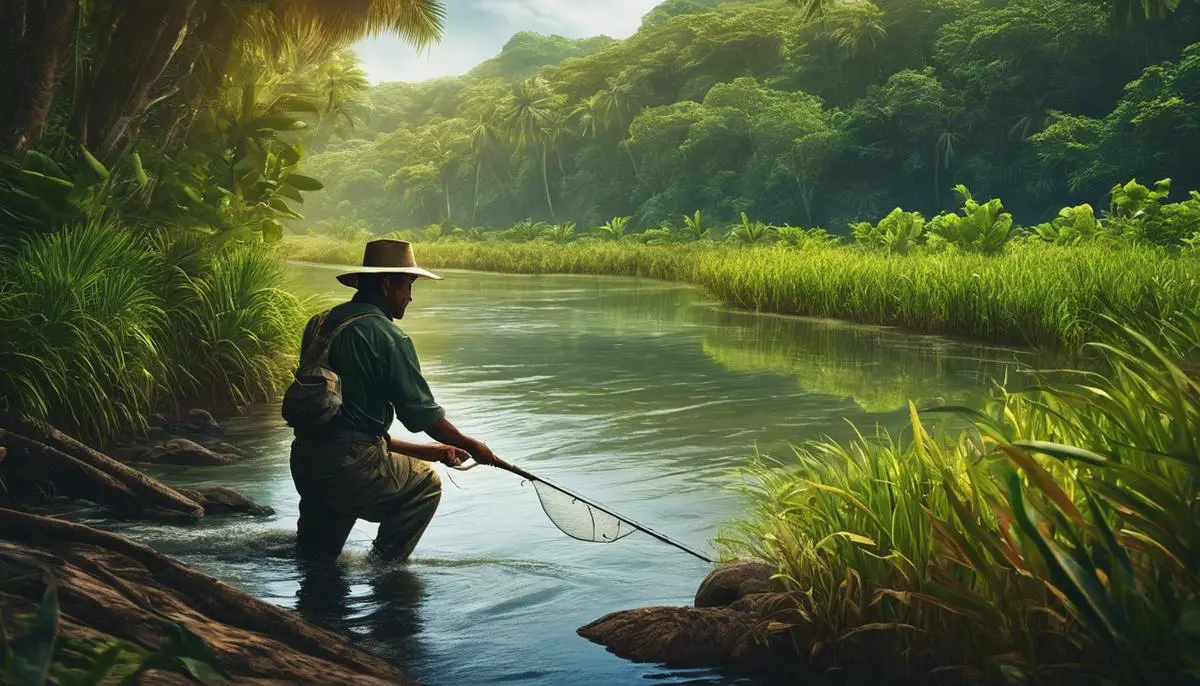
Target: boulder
218,500
181,451
729,583
689,637
224,448
201,420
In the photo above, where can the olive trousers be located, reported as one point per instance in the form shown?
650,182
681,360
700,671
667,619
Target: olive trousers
341,480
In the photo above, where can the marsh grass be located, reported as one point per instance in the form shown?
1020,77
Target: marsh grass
101,326
1056,540
1032,294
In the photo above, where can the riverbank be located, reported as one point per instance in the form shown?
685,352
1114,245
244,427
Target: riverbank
1036,295
1054,540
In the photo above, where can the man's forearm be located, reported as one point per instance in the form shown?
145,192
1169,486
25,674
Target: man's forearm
421,451
445,432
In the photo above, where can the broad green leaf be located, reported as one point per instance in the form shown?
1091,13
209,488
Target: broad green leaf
139,172
303,183
95,164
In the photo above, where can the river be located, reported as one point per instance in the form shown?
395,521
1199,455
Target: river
642,394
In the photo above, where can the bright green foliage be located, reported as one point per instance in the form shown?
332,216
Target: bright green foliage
1141,213
694,227
1072,225
1055,539
895,233
101,325
983,228
797,237
561,233
750,232
1030,294
615,227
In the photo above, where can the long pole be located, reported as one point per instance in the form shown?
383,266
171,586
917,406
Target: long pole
640,527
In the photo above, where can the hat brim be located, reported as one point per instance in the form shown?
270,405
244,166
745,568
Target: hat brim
351,278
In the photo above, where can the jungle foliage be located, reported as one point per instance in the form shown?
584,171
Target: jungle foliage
822,114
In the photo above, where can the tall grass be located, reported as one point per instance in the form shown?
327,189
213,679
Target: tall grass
100,326
1055,541
1032,294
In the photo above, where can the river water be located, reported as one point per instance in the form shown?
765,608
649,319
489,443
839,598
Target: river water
641,394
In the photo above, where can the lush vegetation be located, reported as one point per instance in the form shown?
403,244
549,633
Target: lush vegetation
148,159
1053,541
823,115
969,273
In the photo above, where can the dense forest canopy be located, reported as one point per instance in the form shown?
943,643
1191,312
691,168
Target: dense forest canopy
814,115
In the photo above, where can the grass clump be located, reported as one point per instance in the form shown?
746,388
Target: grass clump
1055,540
101,326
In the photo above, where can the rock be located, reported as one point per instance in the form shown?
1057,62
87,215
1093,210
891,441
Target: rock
109,587
181,451
159,421
227,449
202,420
221,500
729,583
688,637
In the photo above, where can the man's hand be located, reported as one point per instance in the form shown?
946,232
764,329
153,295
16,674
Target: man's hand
483,454
448,455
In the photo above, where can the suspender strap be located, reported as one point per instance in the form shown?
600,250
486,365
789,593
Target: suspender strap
318,350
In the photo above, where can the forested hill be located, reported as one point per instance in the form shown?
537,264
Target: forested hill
809,116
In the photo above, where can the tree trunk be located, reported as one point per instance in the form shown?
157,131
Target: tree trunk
546,185
144,40
475,200
87,473
112,587
446,192
34,33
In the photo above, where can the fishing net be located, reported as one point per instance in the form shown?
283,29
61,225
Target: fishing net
583,519
579,519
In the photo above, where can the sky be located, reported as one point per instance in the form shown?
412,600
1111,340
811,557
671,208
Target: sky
475,30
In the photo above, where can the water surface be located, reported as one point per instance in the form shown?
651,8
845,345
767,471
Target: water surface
641,394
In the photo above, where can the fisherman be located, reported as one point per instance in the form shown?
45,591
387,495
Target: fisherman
350,468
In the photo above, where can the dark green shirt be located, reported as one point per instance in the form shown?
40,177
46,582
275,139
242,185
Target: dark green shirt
377,364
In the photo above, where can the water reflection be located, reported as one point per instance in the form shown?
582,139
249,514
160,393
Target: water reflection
879,369
381,610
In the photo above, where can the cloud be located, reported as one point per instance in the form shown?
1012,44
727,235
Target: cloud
577,18
477,29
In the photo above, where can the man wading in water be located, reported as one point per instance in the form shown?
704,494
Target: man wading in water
348,467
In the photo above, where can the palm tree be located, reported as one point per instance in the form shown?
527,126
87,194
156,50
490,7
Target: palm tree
812,9
860,24
338,81
486,133
615,227
945,150
528,113
694,226
751,232
618,101
129,46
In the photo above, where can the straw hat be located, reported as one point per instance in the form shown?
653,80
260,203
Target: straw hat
386,256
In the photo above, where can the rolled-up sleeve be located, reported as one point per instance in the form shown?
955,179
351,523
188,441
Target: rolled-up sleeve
410,395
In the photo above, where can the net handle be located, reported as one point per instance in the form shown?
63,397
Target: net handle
529,476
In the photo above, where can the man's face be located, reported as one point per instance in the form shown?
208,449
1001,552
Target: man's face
397,290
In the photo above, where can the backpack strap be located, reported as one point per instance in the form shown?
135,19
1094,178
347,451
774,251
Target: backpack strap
318,350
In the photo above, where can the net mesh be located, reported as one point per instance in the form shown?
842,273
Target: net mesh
578,519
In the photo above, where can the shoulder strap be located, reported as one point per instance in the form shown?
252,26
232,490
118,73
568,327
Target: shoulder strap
318,350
